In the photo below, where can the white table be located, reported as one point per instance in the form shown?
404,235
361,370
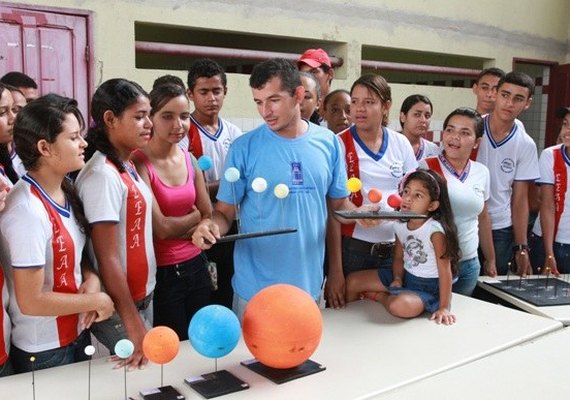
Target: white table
365,350
533,370
558,313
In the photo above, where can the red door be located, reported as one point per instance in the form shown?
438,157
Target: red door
50,47
558,96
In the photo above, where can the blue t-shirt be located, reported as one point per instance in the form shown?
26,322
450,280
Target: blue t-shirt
313,168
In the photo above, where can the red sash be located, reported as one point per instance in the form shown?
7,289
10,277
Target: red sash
434,165
195,141
560,186
352,170
136,257
63,249
5,178
3,354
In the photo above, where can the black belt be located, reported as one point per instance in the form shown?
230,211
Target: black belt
380,249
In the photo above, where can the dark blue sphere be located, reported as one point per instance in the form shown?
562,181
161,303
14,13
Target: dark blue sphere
214,331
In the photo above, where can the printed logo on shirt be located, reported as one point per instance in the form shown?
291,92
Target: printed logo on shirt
397,169
296,173
226,144
508,166
414,249
479,190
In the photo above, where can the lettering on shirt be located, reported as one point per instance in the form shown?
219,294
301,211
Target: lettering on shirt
136,228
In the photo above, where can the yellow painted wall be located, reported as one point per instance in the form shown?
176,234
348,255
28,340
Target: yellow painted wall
494,30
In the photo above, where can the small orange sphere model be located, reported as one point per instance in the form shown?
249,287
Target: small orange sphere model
282,326
161,344
374,195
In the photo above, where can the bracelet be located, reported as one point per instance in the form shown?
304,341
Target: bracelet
520,247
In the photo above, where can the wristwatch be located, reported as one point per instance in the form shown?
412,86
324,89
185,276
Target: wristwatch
520,247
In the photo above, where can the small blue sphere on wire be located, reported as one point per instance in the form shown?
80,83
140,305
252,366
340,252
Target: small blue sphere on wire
205,163
124,348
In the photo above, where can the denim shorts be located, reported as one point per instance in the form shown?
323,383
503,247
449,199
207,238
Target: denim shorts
427,289
467,277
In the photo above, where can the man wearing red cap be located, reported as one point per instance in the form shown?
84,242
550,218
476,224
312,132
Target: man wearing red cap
318,63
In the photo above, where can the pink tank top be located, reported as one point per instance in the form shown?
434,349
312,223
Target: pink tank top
174,201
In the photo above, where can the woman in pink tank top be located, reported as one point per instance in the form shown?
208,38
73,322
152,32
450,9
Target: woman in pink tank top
181,201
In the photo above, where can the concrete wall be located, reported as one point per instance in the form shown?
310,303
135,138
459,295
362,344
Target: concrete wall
493,31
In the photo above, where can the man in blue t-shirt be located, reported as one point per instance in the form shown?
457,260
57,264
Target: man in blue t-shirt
286,150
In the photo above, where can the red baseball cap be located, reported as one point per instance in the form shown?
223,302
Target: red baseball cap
314,58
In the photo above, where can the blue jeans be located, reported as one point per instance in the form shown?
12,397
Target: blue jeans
537,255
503,242
358,261
110,331
71,353
467,277
181,290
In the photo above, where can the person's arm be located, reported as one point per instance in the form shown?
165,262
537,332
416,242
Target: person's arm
34,300
203,203
486,242
547,227
398,265
213,188
443,313
335,285
164,227
210,229
90,284
519,216
344,204
105,238
534,198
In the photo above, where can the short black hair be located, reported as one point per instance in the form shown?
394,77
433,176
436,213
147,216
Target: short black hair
498,72
329,96
519,79
411,101
18,79
205,68
276,67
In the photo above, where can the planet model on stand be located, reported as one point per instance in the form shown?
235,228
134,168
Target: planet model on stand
214,332
282,328
160,346
124,348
